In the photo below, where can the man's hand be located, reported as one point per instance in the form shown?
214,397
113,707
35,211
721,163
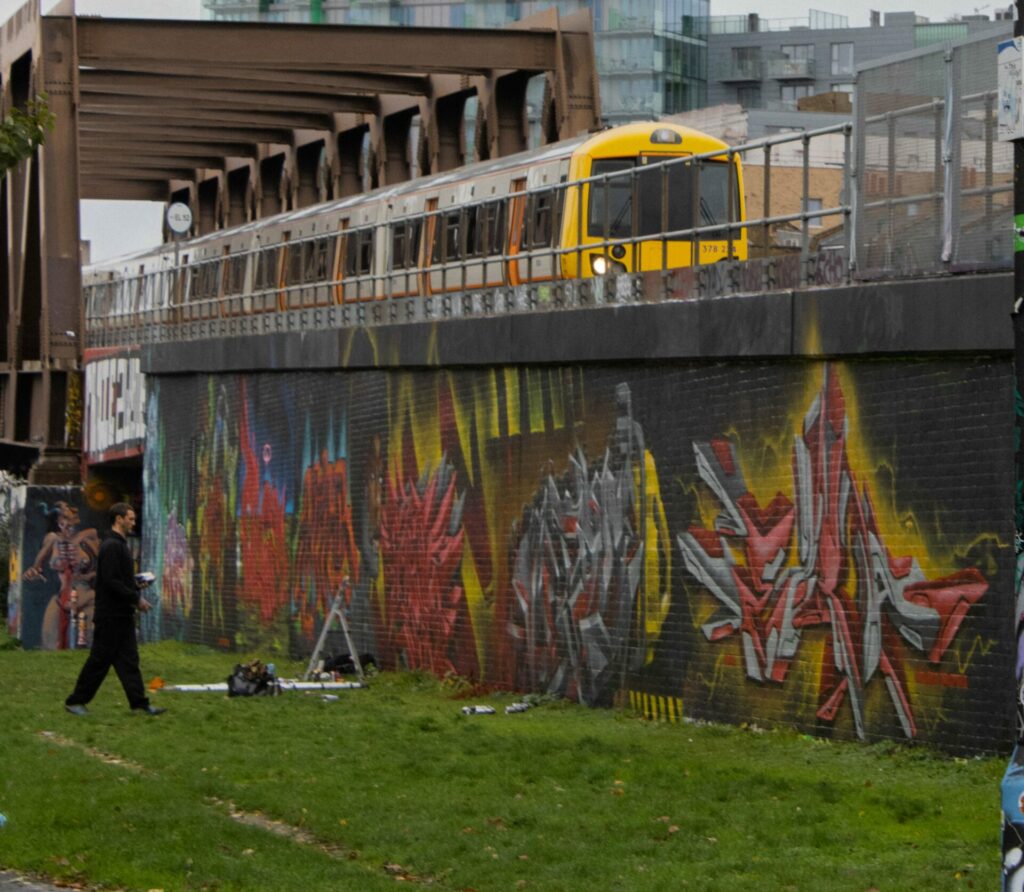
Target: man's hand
144,605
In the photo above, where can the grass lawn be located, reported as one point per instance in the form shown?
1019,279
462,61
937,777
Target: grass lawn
393,786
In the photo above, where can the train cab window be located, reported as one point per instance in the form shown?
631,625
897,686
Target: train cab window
611,206
359,252
265,277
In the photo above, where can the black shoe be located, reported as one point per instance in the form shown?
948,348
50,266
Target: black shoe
76,709
150,710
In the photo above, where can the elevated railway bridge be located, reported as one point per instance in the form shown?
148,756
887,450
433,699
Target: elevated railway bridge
768,441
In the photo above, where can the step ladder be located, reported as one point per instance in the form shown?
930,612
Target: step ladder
337,611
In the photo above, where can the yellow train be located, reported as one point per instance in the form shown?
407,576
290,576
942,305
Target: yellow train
644,196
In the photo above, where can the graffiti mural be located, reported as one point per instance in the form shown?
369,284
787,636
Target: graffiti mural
601,533
783,570
580,614
52,591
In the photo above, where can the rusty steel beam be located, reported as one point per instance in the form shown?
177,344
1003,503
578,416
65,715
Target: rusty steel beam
114,125
316,47
180,113
182,101
266,82
113,189
134,147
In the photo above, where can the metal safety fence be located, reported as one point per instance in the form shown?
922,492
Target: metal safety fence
641,243
934,187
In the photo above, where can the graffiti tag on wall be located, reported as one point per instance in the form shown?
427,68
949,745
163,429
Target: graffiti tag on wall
786,569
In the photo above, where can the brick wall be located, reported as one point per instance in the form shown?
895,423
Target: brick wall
824,545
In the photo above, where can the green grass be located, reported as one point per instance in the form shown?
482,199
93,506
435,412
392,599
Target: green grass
393,786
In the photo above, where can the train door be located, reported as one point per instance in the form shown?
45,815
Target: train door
430,224
516,211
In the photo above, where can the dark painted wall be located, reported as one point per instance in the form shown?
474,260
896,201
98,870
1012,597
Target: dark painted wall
824,544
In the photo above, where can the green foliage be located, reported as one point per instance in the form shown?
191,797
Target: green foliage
393,783
22,132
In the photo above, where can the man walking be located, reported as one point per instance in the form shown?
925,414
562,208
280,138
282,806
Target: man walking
114,643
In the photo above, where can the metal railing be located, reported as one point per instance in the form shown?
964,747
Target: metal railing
174,304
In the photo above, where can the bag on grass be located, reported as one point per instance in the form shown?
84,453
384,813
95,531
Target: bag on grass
251,680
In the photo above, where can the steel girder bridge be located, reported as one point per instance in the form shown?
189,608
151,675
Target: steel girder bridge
240,121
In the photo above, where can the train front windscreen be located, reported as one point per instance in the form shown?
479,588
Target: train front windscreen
611,201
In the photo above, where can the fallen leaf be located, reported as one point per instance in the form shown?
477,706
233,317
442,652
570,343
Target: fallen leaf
673,829
248,851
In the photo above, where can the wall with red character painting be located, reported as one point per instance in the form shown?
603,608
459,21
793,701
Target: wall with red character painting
825,545
55,538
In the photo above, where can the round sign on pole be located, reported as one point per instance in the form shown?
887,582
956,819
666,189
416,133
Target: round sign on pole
179,218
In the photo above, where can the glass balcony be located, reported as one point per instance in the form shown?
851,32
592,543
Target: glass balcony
737,70
791,69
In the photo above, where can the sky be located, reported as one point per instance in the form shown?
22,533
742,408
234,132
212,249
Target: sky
119,227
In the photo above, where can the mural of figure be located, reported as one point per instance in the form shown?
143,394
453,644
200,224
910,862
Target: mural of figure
176,578
71,553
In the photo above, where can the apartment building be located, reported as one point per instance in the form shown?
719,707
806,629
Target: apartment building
774,63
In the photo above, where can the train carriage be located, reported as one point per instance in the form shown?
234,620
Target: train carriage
643,196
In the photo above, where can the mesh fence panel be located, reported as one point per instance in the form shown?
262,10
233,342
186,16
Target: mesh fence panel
983,236
935,188
901,109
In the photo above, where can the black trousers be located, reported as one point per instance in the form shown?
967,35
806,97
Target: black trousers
113,644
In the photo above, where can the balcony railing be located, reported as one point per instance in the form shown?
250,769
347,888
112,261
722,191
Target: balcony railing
737,70
791,69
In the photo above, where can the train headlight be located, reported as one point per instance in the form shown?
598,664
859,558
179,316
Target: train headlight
601,265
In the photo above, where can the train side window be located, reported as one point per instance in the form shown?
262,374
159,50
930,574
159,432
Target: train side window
324,256
474,221
400,245
496,227
234,276
266,268
540,218
359,256
405,243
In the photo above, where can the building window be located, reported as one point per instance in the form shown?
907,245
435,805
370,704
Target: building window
842,58
814,204
842,88
792,92
749,96
800,52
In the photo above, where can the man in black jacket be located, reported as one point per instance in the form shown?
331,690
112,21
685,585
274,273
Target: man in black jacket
113,642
